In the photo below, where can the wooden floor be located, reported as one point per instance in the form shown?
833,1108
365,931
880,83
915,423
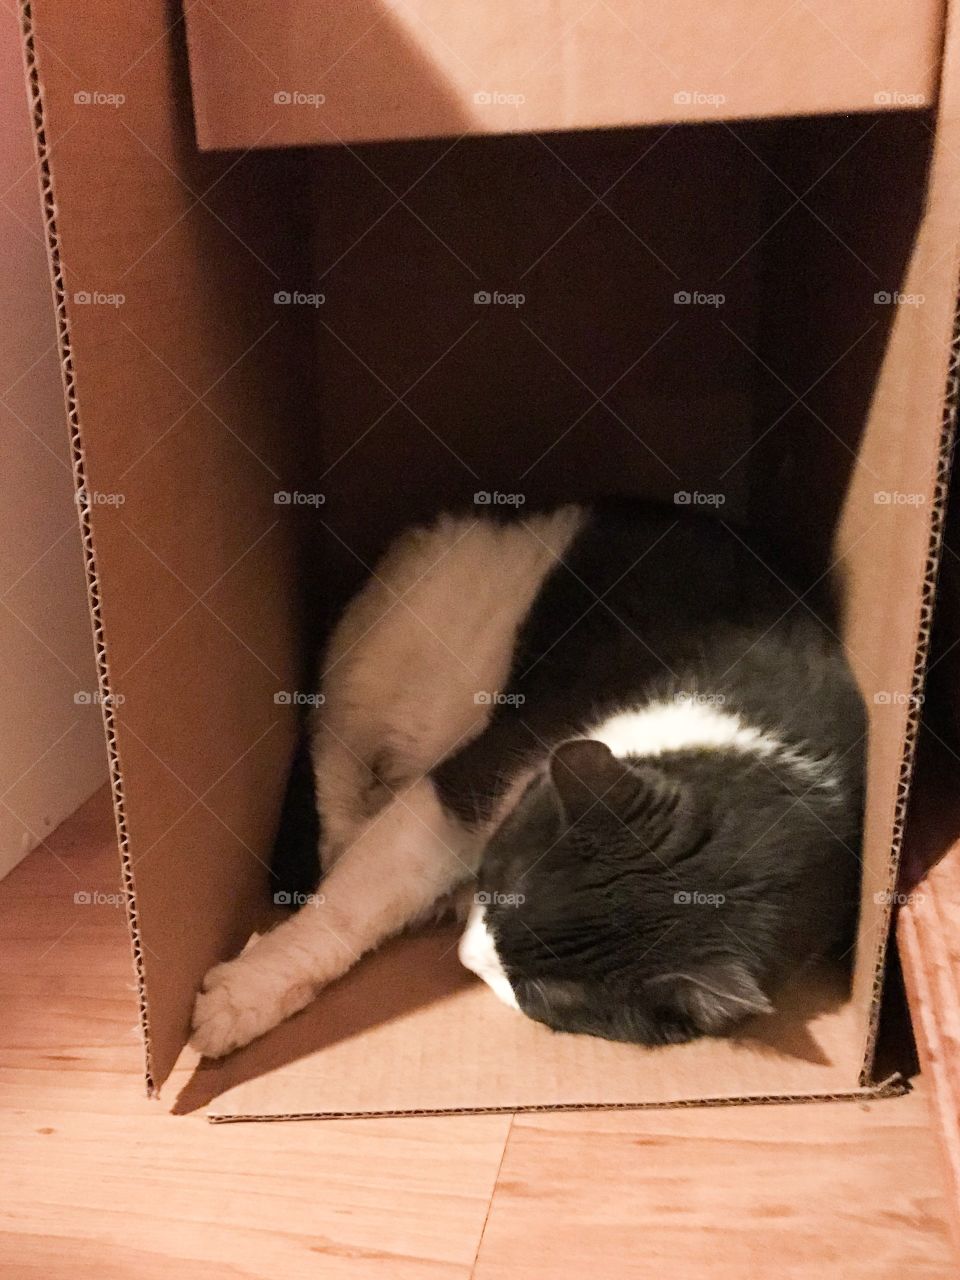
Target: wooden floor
97,1181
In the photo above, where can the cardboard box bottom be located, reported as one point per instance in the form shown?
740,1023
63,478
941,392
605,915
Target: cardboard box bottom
409,1031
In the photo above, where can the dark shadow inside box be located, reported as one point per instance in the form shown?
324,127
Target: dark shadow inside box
692,310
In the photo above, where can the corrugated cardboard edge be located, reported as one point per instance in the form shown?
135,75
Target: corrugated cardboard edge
939,488
893,1087
49,209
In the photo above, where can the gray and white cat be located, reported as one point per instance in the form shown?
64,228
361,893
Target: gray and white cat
625,733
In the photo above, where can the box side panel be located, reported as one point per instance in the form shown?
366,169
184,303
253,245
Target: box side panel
861,428
165,267
888,542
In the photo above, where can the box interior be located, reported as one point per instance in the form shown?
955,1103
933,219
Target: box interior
592,384
799,398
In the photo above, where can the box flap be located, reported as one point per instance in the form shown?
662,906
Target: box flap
171,348
307,73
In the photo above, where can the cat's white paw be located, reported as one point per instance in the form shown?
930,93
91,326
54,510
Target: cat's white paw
239,1001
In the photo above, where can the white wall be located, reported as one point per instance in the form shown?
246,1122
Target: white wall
52,755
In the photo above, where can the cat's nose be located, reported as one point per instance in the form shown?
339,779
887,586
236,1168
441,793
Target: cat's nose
478,953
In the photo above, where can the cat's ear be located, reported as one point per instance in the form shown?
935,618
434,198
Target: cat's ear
583,772
714,995
587,775
550,1000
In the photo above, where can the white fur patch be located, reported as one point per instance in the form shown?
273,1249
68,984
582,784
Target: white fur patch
685,723
416,665
478,953
678,725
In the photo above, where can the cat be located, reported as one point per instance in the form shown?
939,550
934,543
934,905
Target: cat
621,732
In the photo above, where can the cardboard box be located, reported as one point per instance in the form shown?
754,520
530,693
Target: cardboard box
762,309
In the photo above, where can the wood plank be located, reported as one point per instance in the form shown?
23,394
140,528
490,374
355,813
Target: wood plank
833,1190
928,935
100,1182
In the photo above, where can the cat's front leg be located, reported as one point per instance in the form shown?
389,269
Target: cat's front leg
243,998
410,855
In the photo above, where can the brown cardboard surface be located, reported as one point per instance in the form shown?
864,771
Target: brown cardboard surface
410,1031
426,68
172,403
870,439
881,543
195,401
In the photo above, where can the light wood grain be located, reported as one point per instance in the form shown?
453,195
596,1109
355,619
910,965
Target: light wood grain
98,1182
823,1189
928,934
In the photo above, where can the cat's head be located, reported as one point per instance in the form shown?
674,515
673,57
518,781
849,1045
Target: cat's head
599,911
